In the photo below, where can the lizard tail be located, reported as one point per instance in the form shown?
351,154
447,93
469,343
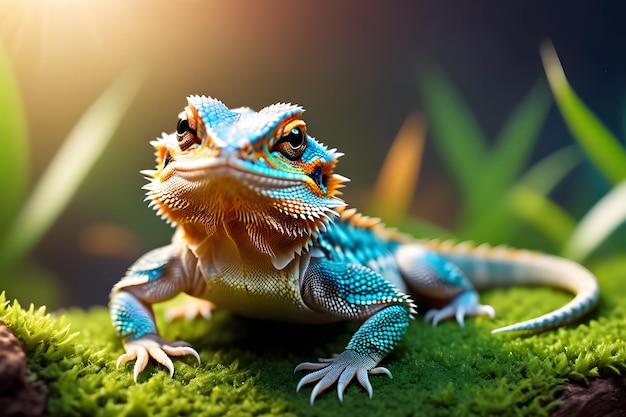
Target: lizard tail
488,266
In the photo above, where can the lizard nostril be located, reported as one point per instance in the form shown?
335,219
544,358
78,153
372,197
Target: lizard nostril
246,150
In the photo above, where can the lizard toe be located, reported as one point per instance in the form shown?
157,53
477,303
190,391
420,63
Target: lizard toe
462,306
344,379
434,316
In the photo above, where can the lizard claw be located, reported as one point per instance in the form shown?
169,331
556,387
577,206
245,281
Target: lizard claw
340,369
464,305
153,346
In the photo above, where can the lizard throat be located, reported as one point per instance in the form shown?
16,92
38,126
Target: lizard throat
256,212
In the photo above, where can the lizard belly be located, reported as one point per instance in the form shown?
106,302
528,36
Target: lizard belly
247,283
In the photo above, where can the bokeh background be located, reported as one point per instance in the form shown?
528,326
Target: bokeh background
354,65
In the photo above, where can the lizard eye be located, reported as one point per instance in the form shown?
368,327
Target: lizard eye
292,144
187,136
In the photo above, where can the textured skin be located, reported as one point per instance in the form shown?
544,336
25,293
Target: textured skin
260,231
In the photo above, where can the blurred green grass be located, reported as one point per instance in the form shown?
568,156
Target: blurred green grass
603,149
28,214
503,194
482,172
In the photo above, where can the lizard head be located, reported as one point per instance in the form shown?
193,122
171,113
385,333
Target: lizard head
258,177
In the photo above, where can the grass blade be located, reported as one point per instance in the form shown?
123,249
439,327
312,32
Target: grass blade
602,147
599,222
554,222
483,176
511,149
460,141
544,175
495,224
528,199
14,155
486,214
398,176
64,174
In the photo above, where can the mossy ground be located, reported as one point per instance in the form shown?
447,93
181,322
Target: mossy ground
247,366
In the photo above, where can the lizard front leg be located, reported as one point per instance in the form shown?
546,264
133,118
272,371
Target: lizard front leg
157,276
355,292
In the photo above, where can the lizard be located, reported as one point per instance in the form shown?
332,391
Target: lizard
261,230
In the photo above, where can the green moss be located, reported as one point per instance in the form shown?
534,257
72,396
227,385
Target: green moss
247,366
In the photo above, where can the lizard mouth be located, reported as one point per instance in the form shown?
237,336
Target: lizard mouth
246,172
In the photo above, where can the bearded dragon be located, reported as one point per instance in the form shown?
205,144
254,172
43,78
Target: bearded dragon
261,231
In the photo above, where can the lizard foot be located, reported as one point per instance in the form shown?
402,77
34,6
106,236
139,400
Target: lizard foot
192,308
153,346
340,369
464,305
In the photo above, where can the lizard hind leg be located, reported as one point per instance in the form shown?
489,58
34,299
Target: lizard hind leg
465,304
435,277
189,309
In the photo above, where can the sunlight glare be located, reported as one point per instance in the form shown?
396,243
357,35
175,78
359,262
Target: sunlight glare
38,29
